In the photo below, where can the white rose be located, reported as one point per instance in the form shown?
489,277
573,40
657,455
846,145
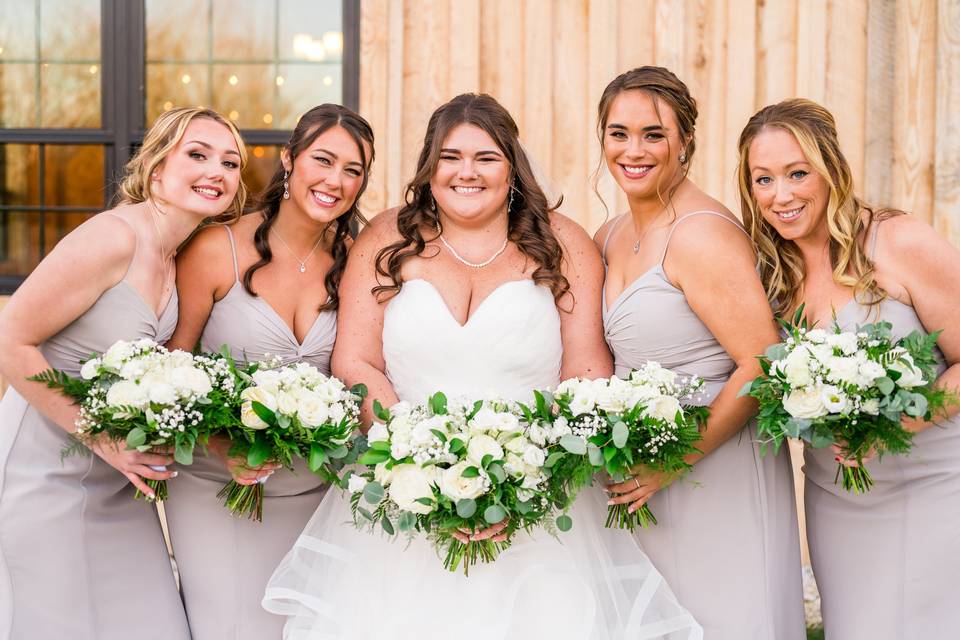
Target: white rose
162,393
378,433
89,369
189,379
796,366
453,485
834,400
312,411
534,455
248,416
127,394
846,342
287,403
116,354
409,483
663,408
910,376
480,446
842,369
356,483
612,399
537,433
267,379
804,403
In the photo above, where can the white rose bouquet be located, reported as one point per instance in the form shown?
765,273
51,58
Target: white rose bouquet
279,413
141,394
442,466
617,425
847,388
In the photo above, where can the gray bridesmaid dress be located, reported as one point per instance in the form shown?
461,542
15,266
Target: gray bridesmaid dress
727,539
225,560
79,557
888,562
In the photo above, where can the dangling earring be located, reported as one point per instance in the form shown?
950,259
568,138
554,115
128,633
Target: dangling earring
683,158
510,199
286,185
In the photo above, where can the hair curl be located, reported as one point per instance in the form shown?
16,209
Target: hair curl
528,216
663,85
312,124
780,262
162,138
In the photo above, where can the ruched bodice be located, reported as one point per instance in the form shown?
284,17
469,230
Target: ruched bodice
253,329
120,313
509,346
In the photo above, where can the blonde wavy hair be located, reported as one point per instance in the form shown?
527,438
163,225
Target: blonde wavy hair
160,140
780,263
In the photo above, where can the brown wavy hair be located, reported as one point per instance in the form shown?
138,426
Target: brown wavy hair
162,137
780,262
311,125
528,216
663,85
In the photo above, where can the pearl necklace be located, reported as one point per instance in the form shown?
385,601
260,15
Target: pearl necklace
475,265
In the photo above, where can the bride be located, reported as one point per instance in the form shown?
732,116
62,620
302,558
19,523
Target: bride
476,285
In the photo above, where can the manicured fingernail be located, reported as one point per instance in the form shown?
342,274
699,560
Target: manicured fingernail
610,503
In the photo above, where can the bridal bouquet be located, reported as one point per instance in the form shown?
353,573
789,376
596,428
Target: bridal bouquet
279,413
446,466
616,425
145,396
848,388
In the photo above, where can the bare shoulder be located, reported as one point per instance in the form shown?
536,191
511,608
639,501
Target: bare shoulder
716,238
907,244
570,234
208,243
600,237
106,238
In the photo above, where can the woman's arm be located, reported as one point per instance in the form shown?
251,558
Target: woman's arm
585,353
358,352
204,275
90,260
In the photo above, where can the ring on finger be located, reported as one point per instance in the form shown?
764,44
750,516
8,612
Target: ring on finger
636,480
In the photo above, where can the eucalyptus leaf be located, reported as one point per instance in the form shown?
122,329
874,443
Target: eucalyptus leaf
183,454
373,492
373,457
573,444
317,458
494,514
595,455
564,523
406,521
496,470
885,385
387,525
620,434
339,453
466,507
283,421
554,458
136,438
259,453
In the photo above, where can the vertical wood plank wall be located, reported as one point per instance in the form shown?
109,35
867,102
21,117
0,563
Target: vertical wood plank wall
888,69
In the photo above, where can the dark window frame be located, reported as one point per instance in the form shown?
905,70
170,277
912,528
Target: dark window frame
123,100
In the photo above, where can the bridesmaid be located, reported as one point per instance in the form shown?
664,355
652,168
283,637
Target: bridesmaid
79,557
265,285
681,289
886,562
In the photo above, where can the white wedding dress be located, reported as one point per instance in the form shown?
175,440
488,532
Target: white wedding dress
590,583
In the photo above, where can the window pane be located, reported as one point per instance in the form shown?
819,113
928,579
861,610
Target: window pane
18,30
177,30
19,174
70,30
304,87
74,175
264,160
19,242
70,95
245,93
18,95
311,30
243,30
175,85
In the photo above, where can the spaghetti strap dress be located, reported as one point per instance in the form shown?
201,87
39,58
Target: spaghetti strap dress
224,560
727,540
79,557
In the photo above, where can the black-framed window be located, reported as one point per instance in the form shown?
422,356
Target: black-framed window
80,80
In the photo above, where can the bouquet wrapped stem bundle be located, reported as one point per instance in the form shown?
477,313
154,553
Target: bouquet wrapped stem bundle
281,413
141,396
442,467
621,426
849,388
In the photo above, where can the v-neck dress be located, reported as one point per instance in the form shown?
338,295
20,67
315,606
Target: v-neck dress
79,557
887,562
225,561
727,540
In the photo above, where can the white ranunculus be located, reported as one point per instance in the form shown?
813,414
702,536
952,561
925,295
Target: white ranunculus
910,376
356,483
796,366
663,408
453,485
843,370
871,406
846,342
89,369
378,433
508,422
190,379
834,399
382,474
534,455
411,482
482,445
125,393
313,411
116,354
537,433
248,416
804,403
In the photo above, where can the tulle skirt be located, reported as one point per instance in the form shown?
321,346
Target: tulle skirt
589,583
